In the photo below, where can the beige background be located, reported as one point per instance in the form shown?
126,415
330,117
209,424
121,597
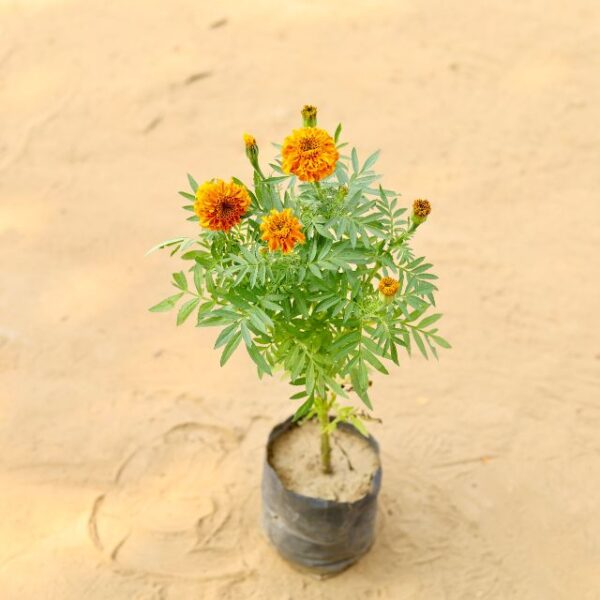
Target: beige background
129,462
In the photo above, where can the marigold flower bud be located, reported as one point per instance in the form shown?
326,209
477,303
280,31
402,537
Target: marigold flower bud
309,115
342,191
251,149
421,210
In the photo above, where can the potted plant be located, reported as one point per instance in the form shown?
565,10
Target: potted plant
310,269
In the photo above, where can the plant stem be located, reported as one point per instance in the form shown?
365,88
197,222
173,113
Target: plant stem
323,414
319,190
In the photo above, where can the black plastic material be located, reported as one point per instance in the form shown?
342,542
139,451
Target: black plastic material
324,536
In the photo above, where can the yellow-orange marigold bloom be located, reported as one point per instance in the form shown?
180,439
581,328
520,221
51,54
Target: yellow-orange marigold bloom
389,286
281,230
221,205
309,153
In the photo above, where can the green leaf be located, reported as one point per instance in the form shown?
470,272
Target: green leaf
166,244
429,320
355,165
440,341
310,378
193,255
276,179
246,334
338,131
370,161
186,310
263,316
375,362
198,277
356,377
303,410
360,426
233,343
315,270
166,304
193,183
180,280
419,341
259,359
257,322
271,305
226,335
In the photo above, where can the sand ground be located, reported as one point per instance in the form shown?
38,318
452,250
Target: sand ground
129,462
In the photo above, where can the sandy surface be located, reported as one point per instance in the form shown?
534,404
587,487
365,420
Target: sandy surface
129,462
296,458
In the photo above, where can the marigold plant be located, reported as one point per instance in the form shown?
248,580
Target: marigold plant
311,270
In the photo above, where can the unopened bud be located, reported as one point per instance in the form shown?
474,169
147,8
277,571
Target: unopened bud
251,149
421,210
309,115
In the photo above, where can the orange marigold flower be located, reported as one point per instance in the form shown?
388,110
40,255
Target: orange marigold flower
389,286
281,230
309,153
220,205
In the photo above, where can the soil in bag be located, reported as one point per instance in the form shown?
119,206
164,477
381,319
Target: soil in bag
318,521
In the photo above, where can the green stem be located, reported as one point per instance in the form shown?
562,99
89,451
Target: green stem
411,229
322,407
319,190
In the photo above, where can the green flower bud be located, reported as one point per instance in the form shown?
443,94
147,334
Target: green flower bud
421,210
309,116
251,149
